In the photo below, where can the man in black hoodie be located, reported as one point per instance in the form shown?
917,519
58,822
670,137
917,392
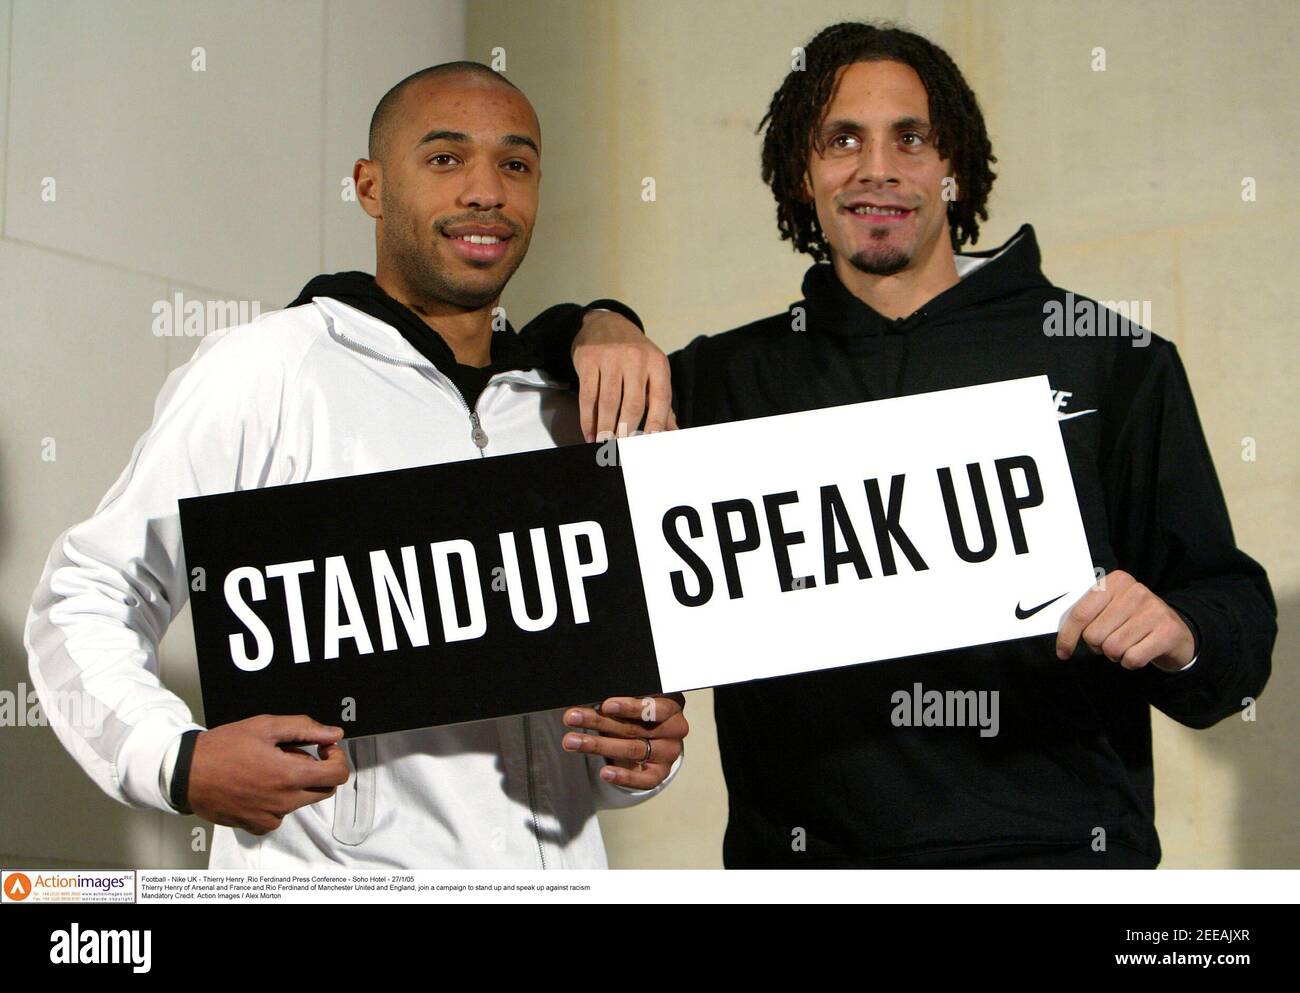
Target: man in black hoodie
878,158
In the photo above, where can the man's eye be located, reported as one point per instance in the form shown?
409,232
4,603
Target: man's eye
917,139
442,158
843,141
518,165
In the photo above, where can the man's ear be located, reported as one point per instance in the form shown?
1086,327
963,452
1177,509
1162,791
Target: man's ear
367,177
806,190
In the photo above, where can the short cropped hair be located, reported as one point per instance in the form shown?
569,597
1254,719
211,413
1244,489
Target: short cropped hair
381,121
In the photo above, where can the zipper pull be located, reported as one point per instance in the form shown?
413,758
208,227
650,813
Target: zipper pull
478,435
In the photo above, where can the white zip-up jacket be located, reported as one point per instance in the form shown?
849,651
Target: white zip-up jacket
312,392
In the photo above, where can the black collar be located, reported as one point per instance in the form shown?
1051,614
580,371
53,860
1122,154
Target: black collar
833,309
359,290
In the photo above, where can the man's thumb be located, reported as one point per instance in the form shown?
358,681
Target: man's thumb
303,729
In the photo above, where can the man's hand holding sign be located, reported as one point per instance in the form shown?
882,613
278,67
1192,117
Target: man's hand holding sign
1123,620
641,738
249,774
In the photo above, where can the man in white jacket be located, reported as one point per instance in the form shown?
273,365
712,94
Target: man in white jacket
360,375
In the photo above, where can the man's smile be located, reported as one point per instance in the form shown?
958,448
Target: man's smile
878,213
479,242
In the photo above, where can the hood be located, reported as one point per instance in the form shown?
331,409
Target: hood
1008,269
359,290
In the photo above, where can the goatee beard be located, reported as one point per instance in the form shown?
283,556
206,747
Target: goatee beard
886,263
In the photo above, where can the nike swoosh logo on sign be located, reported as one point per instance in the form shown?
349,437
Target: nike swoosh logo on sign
1078,413
1022,614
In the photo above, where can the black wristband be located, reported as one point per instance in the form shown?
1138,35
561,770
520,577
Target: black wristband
181,774
618,308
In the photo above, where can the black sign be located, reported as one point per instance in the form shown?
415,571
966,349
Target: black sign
423,596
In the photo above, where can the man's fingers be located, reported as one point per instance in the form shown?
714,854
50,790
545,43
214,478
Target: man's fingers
663,750
1147,634
327,775
672,420
643,778
634,398
1080,616
620,373
585,717
1106,623
675,726
300,798
327,752
1117,630
298,729
607,403
303,772
1142,652
1128,604
640,708
256,826
659,393
588,391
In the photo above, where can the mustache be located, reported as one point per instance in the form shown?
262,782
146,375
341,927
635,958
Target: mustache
478,217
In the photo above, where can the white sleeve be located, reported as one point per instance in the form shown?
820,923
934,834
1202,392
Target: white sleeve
169,766
113,583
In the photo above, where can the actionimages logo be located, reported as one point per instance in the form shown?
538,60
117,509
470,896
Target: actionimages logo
51,886
17,886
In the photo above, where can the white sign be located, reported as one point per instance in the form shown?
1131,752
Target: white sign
854,534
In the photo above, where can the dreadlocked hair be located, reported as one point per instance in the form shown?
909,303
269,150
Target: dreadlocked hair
790,127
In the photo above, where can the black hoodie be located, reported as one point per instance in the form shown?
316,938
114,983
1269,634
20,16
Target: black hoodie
508,350
817,773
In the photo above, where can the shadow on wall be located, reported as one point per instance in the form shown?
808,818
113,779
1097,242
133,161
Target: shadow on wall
43,783
1264,756
54,816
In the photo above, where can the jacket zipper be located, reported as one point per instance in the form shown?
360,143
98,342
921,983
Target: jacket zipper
476,433
532,790
480,439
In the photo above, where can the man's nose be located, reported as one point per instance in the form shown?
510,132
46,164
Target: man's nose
876,162
483,189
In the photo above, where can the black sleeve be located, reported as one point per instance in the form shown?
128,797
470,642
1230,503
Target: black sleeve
550,335
1170,528
691,407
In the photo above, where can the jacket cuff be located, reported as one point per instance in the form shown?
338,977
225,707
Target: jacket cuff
1196,687
1196,642
550,335
141,757
617,308
610,796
